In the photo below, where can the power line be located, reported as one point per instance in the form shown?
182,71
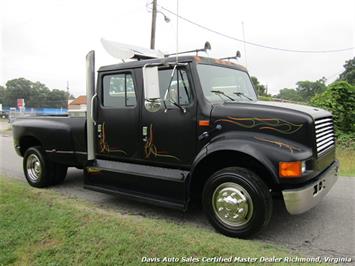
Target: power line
256,44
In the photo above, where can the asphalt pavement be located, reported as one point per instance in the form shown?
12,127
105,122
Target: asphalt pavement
326,230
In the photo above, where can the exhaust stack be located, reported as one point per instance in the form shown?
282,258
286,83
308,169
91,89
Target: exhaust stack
90,95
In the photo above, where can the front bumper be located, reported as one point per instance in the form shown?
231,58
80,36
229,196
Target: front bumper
302,199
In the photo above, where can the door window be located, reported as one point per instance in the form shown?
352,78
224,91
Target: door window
119,91
179,91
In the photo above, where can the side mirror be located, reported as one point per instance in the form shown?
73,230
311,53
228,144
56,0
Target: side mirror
151,88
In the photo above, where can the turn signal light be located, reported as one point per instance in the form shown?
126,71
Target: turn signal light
290,169
203,123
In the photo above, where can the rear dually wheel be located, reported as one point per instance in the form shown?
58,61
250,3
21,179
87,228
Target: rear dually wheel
39,171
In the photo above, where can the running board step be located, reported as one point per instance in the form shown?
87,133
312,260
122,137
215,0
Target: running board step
175,175
139,197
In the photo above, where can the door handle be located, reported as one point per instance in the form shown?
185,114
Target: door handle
145,133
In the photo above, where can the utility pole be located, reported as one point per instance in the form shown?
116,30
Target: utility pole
68,98
154,22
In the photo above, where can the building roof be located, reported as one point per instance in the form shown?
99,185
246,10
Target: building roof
79,101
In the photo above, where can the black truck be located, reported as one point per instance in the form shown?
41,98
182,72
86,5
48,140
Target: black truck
171,132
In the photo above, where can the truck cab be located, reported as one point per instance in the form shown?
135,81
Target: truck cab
170,131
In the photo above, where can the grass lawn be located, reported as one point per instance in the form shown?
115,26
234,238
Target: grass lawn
42,227
346,158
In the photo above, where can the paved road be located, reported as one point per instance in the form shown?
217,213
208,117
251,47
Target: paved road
328,229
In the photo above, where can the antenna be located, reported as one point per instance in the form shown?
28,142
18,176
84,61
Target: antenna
177,31
245,49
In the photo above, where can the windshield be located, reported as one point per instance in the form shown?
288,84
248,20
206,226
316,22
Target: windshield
222,84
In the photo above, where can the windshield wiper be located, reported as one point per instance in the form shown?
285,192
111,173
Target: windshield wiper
242,94
222,93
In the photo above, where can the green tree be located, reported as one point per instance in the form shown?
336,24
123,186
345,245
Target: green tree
349,72
57,99
261,90
2,94
36,94
290,95
307,89
39,95
339,98
17,89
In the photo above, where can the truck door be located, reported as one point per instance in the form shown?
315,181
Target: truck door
169,134
118,114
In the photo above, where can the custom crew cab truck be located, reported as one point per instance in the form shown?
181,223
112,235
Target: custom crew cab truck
171,130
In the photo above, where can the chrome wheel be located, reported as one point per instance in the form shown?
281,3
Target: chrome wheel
232,204
33,167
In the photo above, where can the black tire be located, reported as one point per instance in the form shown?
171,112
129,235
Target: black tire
60,174
225,190
39,171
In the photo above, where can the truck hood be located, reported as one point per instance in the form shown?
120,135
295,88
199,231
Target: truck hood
261,108
314,112
291,121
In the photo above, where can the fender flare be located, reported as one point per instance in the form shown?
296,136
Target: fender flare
266,153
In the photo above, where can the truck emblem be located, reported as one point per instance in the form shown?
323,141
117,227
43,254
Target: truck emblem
279,125
150,149
104,146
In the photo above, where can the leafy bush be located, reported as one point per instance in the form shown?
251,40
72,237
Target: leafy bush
346,140
339,98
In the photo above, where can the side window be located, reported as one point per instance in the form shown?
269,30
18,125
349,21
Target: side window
179,92
118,90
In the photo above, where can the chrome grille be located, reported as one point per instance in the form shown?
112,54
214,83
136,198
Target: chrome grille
325,137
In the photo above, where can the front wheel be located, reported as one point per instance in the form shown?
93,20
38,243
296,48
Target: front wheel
237,202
